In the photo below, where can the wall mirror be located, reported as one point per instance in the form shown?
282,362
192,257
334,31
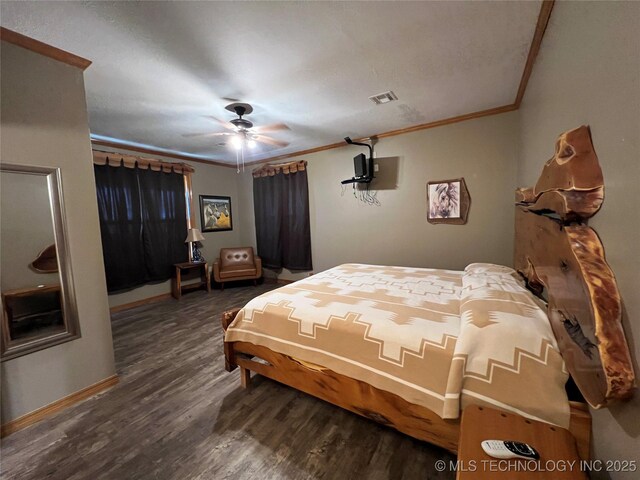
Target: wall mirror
36,283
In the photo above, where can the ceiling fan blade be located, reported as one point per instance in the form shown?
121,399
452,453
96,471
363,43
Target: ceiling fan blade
270,141
189,135
274,127
227,125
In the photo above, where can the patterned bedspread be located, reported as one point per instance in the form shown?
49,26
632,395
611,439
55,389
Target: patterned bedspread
437,338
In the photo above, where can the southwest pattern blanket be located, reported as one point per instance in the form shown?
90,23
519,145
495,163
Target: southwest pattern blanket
437,338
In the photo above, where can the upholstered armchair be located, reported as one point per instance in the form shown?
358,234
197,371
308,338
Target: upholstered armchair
237,264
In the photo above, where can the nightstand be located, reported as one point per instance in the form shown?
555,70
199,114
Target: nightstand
177,289
557,448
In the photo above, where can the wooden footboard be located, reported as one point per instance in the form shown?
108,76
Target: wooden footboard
358,397
365,400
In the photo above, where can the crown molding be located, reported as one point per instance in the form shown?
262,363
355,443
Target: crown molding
541,27
45,49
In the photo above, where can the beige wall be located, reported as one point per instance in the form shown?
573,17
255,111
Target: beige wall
206,180
483,151
26,229
44,122
588,72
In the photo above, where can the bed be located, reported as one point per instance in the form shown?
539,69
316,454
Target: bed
411,347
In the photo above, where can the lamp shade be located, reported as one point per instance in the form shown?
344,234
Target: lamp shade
194,235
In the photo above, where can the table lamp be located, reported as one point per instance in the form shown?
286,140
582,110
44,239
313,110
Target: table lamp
194,236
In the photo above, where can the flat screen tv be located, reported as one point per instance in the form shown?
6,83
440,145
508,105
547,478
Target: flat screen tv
360,165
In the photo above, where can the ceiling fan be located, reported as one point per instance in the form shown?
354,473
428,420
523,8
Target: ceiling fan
242,131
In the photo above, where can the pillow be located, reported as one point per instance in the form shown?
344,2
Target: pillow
474,268
488,271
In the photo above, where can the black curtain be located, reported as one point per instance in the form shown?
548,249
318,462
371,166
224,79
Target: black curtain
281,206
164,222
120,226
142,222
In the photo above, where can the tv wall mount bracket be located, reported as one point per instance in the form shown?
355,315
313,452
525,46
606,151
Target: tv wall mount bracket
369,174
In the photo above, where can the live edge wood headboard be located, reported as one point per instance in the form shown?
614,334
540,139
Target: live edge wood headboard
556,251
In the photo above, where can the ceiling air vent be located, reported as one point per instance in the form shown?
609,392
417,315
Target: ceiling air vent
385,97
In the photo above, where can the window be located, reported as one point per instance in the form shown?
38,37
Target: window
281,204
143,223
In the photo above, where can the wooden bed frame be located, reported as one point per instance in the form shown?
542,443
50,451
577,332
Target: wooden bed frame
554,247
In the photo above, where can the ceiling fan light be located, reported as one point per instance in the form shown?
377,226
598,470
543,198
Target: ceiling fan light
236,142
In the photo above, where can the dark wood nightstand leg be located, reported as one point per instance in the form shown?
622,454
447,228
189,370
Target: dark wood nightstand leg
175,284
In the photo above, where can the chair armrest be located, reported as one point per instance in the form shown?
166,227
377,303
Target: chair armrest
258,262
216,270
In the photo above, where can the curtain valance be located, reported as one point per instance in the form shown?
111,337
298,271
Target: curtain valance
286,168
132,161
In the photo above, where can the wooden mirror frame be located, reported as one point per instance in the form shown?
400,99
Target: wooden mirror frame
10,349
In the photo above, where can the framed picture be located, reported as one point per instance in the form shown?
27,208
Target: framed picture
215,213
448,201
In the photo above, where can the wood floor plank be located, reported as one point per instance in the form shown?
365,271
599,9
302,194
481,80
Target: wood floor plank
177,414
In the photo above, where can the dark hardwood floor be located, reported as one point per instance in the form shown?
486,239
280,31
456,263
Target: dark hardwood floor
177,414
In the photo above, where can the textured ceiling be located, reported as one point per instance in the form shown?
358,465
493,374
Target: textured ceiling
160,67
